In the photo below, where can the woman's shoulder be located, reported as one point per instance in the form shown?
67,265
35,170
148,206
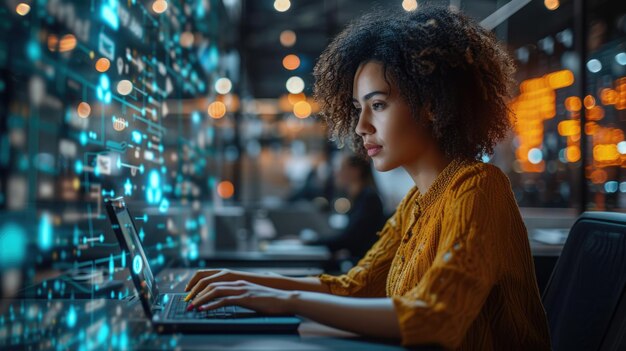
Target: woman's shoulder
479,176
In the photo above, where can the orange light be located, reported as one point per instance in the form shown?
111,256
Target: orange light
598,176
572,153
217,109
572,103
159,6
103,64
551,4
608,96
605,152
589,101
568,128
291,62
287,38
295,98
560,79
596,113
52,42
22,9
83,110
591,128
68,43
225,189
302,109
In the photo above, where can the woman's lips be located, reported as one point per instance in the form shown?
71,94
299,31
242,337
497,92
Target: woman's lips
373,149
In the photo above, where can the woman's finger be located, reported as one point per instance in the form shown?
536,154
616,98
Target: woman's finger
214,293
199,275
201,285
238,300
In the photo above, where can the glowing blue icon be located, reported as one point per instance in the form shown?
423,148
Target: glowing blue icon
45,232
103,91
12,245
128,187
71,317
33,50
111,265
195,117
108,11
136,137
137,264
142,234
165,204
153,190
78,167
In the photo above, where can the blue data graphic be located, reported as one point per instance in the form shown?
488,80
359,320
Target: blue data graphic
100,99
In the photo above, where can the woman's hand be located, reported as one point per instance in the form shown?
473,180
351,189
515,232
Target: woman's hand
245,294
202,278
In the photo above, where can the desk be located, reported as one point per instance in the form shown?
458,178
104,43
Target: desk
96,324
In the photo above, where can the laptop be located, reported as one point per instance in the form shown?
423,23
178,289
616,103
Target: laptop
167,312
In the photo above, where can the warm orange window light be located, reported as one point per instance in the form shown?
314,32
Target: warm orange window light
291,62
560,79
573,103
217,109
572,153
589,101
608,96
225,189
102,65
295,98
302,109
595,113
568,127
605,152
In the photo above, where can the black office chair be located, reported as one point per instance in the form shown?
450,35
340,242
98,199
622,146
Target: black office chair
585,298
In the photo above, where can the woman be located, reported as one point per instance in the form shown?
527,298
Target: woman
365,216
425,91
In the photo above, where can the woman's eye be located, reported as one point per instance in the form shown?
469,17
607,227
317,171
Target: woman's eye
378,106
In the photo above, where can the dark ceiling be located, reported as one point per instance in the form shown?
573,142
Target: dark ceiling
315,22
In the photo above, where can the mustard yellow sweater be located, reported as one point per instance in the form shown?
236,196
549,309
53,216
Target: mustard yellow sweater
462,249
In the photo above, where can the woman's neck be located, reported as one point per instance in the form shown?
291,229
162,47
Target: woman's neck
425,170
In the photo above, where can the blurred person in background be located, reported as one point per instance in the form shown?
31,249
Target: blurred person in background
365,215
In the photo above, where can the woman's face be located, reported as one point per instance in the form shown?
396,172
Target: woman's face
392,137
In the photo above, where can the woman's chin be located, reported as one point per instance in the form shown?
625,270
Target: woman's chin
381,165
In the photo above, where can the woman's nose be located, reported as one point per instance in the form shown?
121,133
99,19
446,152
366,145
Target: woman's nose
364,126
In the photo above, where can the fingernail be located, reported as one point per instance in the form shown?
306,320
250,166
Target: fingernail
190,307
187,298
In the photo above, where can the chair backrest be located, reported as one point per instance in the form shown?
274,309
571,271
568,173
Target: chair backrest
584,299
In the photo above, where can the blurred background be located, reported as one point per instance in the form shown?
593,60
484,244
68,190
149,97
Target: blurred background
200,114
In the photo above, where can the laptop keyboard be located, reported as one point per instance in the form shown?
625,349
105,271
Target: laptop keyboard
179,311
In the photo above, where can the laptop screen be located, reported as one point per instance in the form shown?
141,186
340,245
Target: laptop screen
125,230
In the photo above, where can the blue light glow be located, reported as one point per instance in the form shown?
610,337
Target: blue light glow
136,135
108,12
71,317
12,245
137,264
45,232
128,187
535,156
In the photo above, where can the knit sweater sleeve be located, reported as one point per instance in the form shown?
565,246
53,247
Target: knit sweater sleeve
368,277
451,294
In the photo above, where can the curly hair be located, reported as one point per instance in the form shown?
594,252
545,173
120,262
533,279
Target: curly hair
444,65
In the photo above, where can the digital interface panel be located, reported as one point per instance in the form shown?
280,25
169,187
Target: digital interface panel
99,99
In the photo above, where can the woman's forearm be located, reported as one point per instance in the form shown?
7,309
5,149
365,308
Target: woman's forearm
366,316
288,283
